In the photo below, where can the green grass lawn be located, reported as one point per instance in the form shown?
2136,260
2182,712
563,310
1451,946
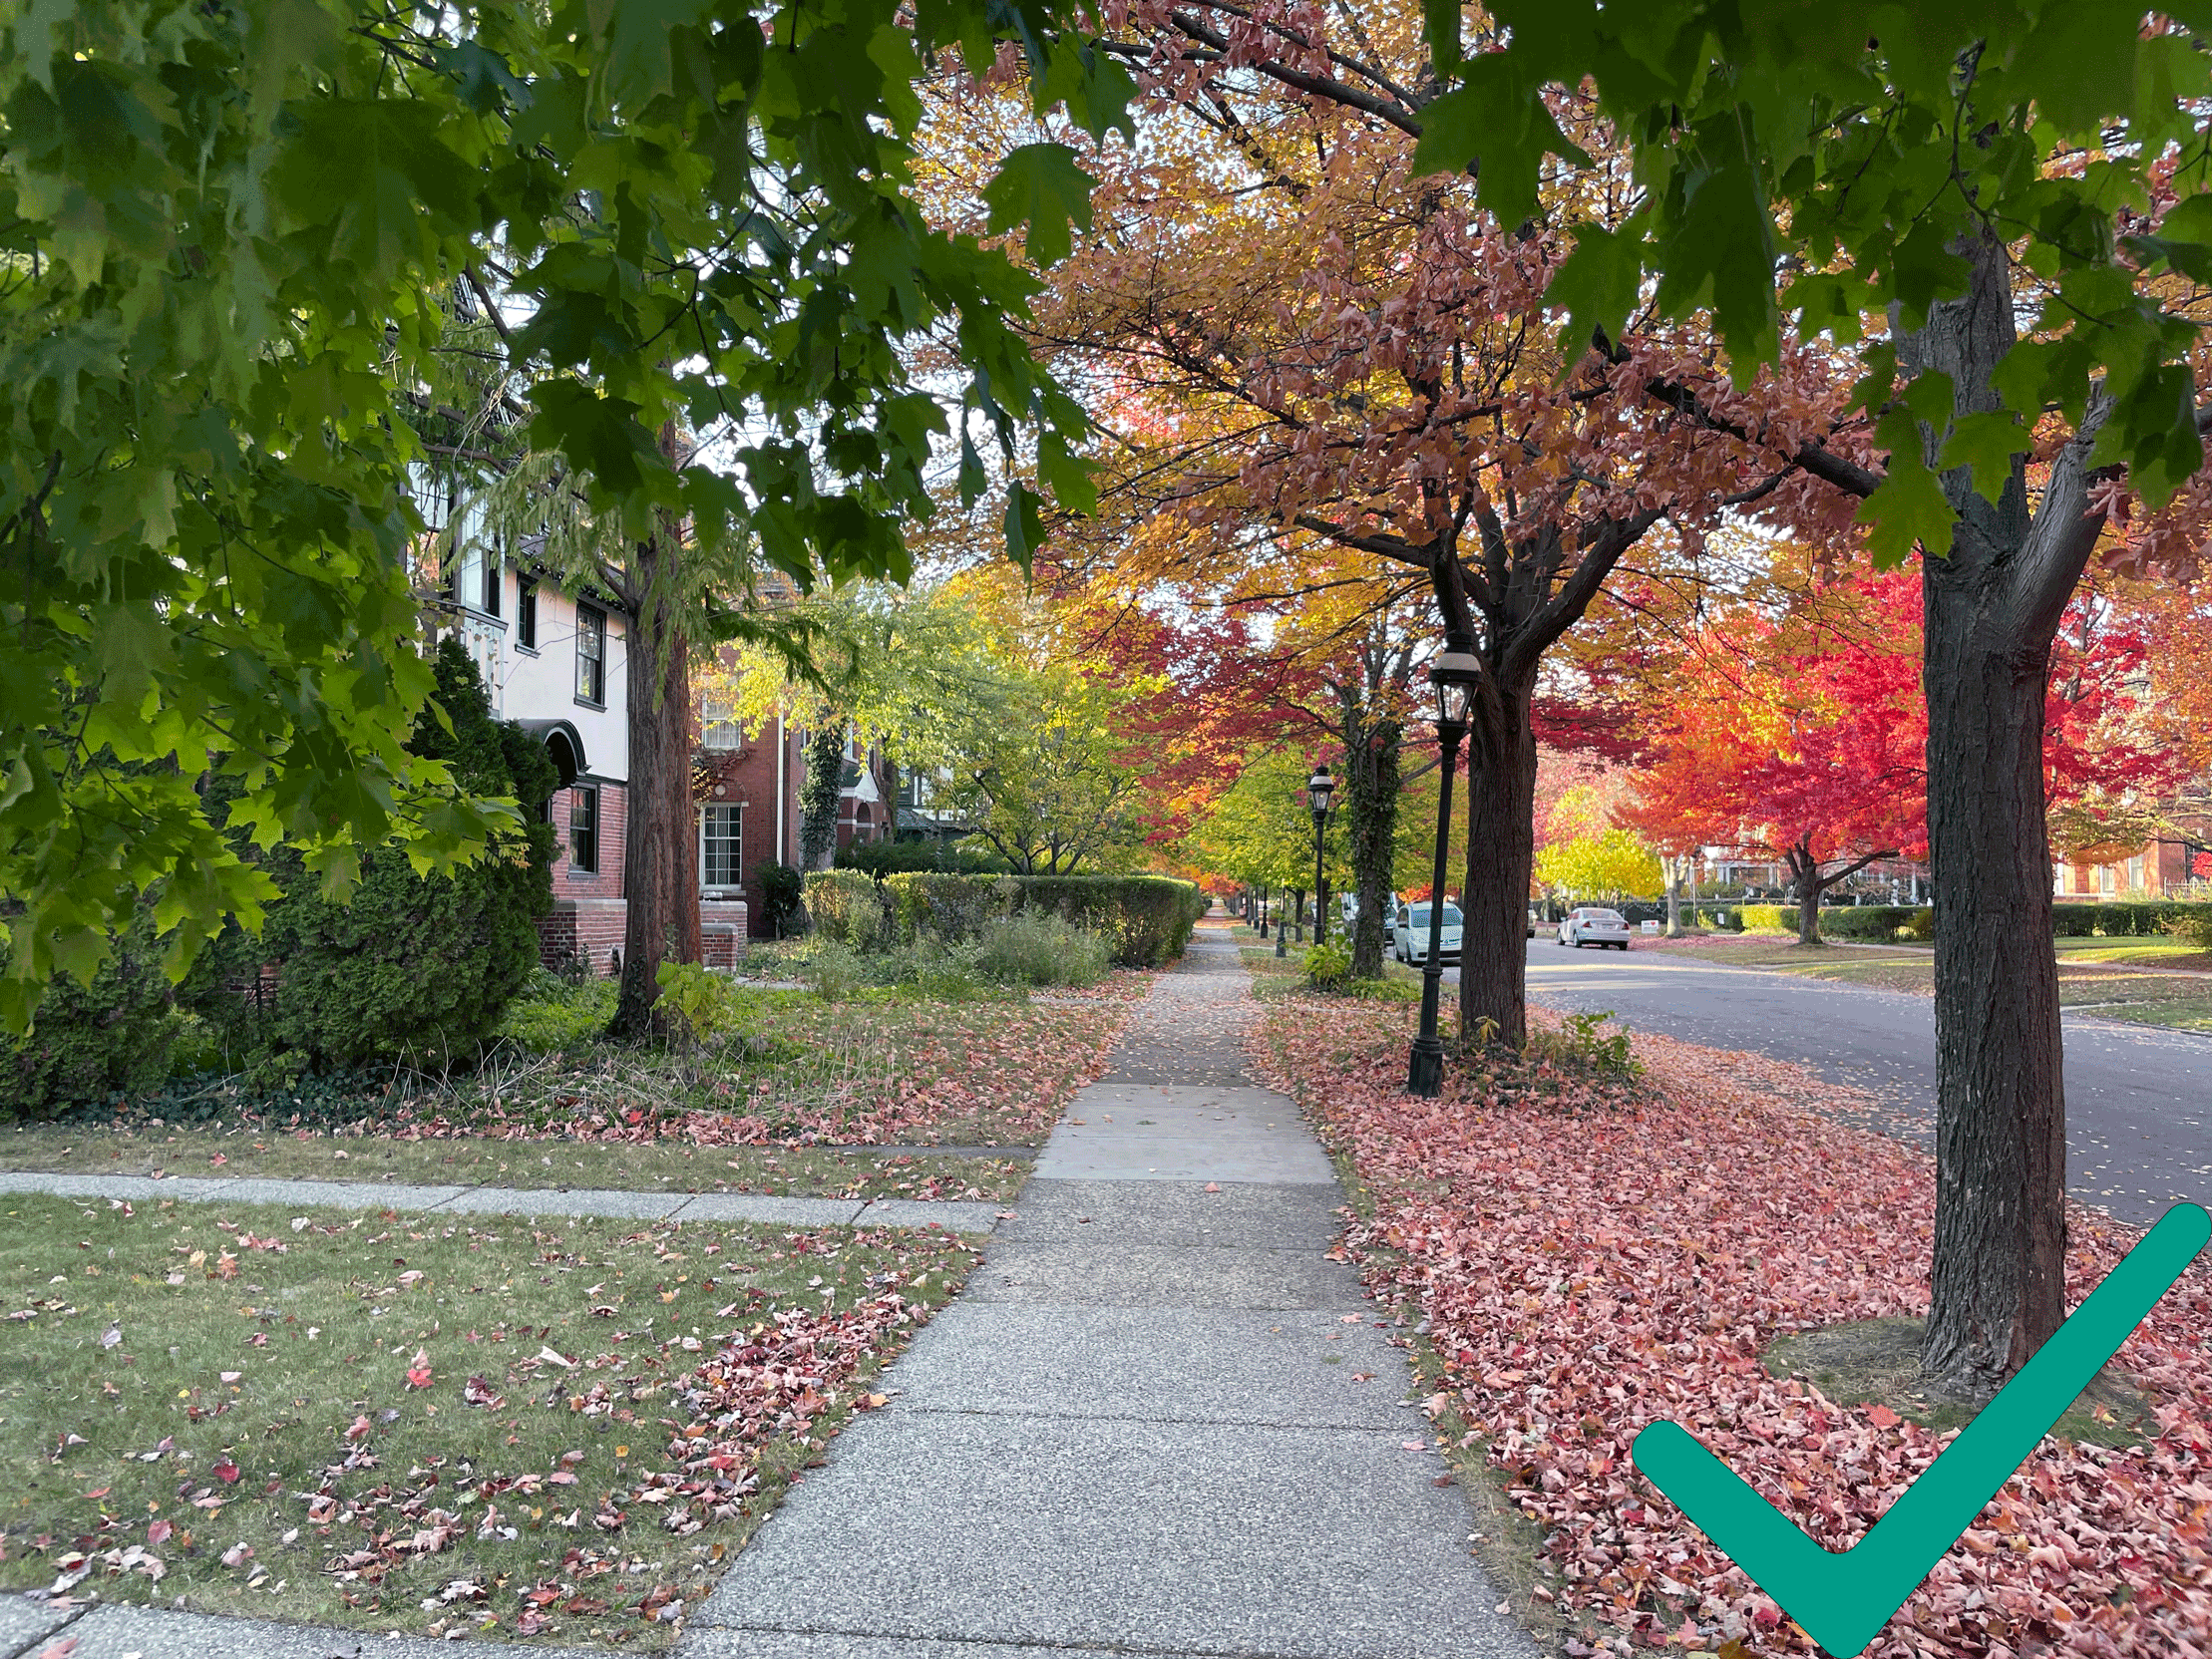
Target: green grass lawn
424,1426
2093,975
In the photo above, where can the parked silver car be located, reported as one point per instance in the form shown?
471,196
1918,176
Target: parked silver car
1409,934
1590,925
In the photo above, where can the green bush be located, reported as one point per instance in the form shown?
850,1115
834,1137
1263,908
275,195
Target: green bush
1768,918
1328,965
701,1006
1031,949
948,905
1148,918
1866,921
94,1042
847,909
2193,925
415,967
2073,921
1921,923
1723,918
783,891
553,1014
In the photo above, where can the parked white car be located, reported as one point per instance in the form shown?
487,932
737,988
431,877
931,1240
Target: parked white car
1590,925
1409,934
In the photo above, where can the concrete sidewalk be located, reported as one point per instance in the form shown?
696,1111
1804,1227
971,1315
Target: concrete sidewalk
1156,1422
518,1200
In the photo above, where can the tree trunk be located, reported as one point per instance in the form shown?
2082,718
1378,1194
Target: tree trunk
1500,856
660,873
1371,787
1999,1279
1297,913
1805,871
1673,869
1992,605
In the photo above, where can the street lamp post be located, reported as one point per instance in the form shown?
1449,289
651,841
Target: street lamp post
1452,674
1318,788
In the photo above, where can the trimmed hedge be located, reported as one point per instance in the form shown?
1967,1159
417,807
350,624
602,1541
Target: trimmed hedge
932,854
1881,922
1146,918
846,907
1767,918
1149,917
94,1042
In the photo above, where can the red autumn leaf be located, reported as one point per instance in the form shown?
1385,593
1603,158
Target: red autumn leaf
418,1371
157,1531
227,1471
360,1426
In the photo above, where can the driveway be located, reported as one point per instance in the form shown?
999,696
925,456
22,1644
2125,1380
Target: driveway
2138,1099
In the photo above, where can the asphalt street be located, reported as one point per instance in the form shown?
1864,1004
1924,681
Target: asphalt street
2138,1099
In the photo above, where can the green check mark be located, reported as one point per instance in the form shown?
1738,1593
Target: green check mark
1842,1601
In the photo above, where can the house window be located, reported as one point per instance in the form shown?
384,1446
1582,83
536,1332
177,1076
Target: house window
591,655
583,829
718,725
493,576
526,614
2105,879
720,830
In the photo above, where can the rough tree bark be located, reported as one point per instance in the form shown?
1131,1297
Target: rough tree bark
1993,606
661,874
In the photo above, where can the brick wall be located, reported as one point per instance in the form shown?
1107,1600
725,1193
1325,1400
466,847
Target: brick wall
722,931
607,880
590,928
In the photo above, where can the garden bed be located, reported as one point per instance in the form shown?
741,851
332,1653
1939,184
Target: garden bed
787,1100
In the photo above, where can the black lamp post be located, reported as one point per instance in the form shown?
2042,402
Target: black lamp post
1452,672
1318,788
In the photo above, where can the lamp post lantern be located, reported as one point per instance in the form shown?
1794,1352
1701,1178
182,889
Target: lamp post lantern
1452,674
1318,788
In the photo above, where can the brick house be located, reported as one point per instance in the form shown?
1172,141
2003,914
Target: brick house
748,785
2176,865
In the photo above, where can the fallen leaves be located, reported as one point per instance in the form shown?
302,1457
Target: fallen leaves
417,1370
1588,1258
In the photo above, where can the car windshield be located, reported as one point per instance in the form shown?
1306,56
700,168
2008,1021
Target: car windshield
1419,916
1601,915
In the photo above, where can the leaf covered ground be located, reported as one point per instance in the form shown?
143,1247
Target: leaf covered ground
433,1427
1591,1254
784,1104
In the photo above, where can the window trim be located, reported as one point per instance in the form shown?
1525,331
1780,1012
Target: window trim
586,796
595,630
526,614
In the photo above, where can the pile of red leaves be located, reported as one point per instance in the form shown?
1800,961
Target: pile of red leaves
1590,1258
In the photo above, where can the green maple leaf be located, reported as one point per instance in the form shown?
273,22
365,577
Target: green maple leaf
1039,185
378,173
1987,444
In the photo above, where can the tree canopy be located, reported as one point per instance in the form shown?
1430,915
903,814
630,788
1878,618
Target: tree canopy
228,234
